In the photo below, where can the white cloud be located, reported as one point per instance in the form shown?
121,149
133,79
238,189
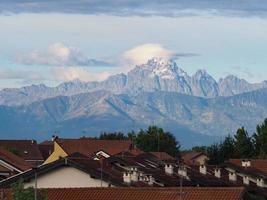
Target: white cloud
58,54
55,74
141,54
72,73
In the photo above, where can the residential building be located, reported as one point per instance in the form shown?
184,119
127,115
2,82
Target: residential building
26,149
11,164
194,158
88,147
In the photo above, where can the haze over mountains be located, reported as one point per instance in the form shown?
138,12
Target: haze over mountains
197,108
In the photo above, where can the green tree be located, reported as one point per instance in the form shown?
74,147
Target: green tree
243,144
19,193
156,139
260,140
202,149
227,148
112,136
214,154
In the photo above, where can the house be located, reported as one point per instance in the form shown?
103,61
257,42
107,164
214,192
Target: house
251,174
163,156
68,172
194,158
87,147
26,149
11,164
46,148
186,193
122,169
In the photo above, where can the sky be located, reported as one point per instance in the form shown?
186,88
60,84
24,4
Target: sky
46,41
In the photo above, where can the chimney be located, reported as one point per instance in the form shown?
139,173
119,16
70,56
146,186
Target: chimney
182,171
246,163
169,169
217,172
232,176
127,177
260,182
246,180
134,175
203,169
151,180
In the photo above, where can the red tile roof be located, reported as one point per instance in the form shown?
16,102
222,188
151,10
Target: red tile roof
88,146
14,160
196,193
46,148
27,149
163,156
258,164
188,157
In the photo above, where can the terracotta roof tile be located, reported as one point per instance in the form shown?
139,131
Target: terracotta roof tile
163,156
258,164
191,193
88,146
27,149
187,156
145,194
14,160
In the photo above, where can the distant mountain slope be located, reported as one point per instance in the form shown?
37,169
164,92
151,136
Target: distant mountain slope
155,75
90,113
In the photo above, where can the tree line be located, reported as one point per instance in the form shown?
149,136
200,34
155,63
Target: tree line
148,140
240,146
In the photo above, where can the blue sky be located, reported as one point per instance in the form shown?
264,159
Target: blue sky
50,42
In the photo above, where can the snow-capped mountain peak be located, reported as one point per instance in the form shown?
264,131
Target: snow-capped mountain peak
164,68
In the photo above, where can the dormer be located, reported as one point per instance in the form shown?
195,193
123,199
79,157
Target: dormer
246,163
217,172
203,169
169,169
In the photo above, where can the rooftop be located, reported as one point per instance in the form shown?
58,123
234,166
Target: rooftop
188,193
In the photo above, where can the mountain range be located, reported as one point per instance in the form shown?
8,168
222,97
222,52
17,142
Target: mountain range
197,109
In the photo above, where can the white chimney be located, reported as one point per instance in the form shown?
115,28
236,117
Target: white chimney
169,169
246,163
134,176
260,182
182,171
246,180
151,180
217,173
232,176
126,177
203,169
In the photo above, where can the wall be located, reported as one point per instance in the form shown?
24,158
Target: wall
57,153
66,177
